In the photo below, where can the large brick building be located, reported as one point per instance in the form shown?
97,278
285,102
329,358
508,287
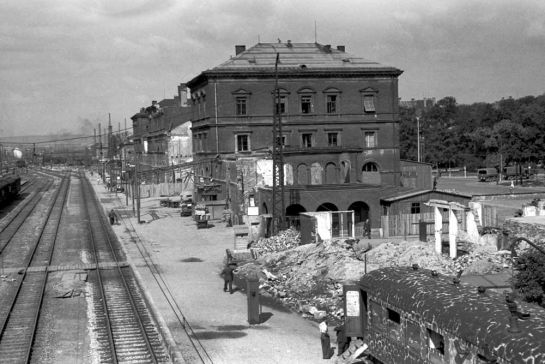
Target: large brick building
340,123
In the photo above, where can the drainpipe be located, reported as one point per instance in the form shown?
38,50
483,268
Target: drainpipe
216,114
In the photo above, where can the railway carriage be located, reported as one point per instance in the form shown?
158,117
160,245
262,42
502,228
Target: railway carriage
10,187
412,315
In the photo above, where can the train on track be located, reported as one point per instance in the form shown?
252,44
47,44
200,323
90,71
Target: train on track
10,187
414,315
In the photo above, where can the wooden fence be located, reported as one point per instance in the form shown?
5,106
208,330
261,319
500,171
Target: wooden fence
409,224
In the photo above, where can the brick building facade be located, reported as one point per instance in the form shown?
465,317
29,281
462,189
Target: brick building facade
340,129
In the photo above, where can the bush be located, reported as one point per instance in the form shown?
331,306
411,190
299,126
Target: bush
529,279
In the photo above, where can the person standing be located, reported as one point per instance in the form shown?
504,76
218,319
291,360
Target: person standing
343,342
327,350
367,228
228,276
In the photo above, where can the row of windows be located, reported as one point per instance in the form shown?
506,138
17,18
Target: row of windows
308,140
306,104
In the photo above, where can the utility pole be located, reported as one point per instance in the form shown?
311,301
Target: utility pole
278,158
137,189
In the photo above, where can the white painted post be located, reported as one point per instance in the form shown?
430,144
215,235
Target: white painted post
471,226
438,229
452,232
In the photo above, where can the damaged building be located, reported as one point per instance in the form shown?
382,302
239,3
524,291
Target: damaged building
340,132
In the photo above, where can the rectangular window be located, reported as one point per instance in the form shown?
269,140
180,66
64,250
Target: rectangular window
370,139
332,139
369,103
394,324
415,208
331,104
241,108
306,140
243,143
281,106
306,104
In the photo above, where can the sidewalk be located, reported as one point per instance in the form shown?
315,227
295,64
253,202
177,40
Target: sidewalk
187,284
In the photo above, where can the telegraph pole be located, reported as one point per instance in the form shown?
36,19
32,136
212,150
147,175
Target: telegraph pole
278,158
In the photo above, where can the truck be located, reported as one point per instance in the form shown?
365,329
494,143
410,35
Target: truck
487,174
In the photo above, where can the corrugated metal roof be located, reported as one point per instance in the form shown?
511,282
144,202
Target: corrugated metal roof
311,55
482,319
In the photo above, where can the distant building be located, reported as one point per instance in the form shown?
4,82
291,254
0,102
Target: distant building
153,127
422,105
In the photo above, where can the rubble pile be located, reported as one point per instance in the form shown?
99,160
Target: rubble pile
286,239
309,278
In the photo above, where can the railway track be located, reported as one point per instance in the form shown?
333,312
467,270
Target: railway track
19,319
124,325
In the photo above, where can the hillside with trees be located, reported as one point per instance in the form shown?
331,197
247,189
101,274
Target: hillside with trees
506,132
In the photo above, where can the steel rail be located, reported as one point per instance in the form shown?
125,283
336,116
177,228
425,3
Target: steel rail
24,283
106,230
19,218
99,277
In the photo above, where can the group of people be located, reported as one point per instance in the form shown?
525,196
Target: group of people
343,341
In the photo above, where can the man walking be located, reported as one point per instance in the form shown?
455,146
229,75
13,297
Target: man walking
228,276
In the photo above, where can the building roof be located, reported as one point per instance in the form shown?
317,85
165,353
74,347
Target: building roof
295,57
401,195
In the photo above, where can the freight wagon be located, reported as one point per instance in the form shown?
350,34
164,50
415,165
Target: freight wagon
413,315
10,186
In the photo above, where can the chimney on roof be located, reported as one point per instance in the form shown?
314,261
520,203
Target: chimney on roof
340,48
239,49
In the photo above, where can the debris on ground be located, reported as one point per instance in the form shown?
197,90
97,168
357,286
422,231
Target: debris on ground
309,278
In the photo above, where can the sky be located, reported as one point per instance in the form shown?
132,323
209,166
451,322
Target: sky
66,66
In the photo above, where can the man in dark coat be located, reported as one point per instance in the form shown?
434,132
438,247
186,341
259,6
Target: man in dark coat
228,277
343,342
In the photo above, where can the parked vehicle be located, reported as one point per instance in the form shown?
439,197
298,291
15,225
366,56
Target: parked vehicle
512,172
487,174
202,215
187,208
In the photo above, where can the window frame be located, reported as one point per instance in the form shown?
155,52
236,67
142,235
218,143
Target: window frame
239,105
336,93
310,139
337,138
329,103
366,143
367,94
238,143
310,103
415,207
